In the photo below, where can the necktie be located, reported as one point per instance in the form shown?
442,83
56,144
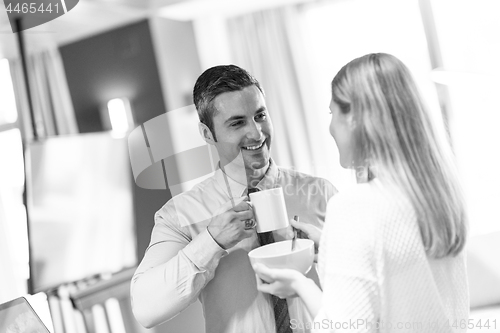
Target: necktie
280,306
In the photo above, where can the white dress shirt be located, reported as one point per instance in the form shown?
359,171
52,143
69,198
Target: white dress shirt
183,262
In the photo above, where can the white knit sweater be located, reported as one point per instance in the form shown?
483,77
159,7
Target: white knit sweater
375,274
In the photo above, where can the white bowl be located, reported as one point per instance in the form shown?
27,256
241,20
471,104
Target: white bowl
280,255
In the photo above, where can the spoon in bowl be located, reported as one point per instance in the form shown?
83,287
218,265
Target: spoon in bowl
296,218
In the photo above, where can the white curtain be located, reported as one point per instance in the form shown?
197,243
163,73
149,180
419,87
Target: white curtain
269,45
52,106
13,226
8,280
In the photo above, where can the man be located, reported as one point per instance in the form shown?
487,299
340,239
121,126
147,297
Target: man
201,237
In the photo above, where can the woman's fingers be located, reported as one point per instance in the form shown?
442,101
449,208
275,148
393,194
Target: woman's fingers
264,287
312,232
265,282
278,282
264,273
304,229
300,225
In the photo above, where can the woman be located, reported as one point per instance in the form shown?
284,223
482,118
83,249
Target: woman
391,252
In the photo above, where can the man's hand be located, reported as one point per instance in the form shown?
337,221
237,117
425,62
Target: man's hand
228,226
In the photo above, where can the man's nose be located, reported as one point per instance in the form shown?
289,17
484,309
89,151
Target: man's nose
254,131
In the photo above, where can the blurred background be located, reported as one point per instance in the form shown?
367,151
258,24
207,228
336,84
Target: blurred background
73,222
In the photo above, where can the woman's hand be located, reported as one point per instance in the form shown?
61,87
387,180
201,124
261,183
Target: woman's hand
312,232
289,283
279,282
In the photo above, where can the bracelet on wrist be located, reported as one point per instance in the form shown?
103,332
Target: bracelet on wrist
222,247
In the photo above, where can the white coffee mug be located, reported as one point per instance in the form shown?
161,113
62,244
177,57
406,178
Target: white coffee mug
270,209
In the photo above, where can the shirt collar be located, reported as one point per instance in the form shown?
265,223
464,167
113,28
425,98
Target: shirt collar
270,178
238,190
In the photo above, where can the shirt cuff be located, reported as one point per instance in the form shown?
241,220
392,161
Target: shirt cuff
204,252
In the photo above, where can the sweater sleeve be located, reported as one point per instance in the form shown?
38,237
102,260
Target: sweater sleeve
347,258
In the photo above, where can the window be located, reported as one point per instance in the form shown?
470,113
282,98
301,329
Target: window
8,111
469,35
13,223
336,32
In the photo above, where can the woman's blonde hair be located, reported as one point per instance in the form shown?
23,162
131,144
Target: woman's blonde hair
396,135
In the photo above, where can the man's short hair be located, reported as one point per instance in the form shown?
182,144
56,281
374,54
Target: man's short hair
215,81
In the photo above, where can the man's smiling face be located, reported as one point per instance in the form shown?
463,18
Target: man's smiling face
242,123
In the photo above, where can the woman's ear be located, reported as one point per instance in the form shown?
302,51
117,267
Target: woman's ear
351,121
206,133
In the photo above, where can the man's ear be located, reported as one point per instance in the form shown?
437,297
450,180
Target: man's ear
206,133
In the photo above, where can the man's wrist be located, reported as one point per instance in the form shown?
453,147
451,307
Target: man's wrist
204,252
210,234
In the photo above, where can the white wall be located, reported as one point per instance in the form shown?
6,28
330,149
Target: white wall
179,67
177,59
